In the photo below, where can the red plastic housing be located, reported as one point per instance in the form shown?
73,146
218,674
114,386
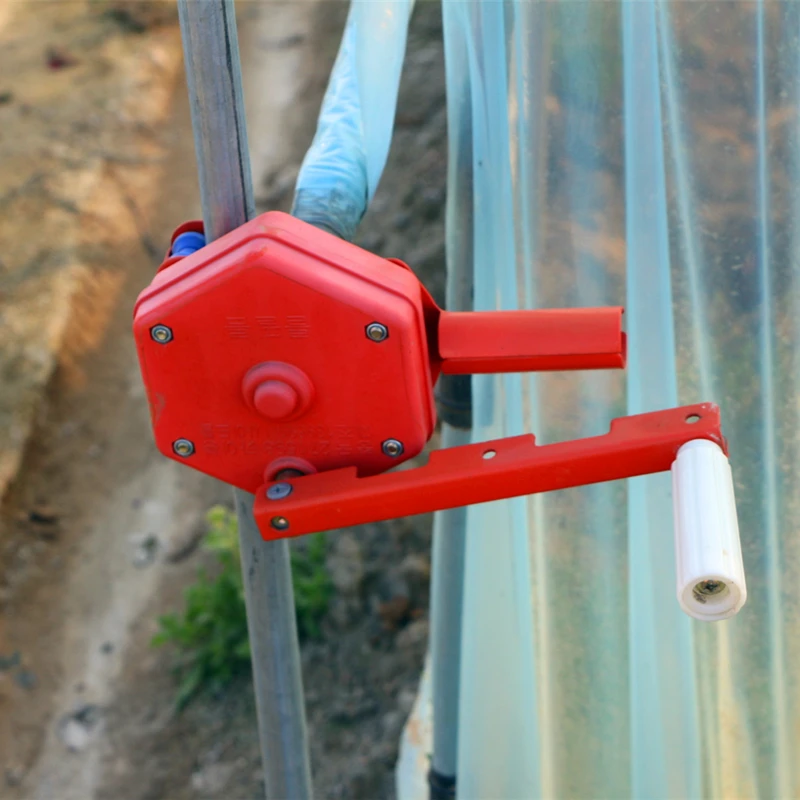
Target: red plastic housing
279,290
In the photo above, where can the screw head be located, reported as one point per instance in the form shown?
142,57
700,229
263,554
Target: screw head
392,448
279,490
161,334
183,447
710,587
279,523
377,332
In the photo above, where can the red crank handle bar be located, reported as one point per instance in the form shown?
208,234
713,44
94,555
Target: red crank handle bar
478,473
472,342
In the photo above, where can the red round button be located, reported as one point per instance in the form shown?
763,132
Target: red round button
280,392
275,399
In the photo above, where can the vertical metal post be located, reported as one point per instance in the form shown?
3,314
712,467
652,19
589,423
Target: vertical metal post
213,73
447,590
449,527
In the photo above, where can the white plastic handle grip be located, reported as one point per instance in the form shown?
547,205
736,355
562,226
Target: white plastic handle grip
711,583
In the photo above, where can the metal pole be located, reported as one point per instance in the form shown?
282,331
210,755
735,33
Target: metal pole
449,527
213,73
447,590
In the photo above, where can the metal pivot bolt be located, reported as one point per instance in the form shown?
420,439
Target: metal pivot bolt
279,523
161,334
392,448
377,332
708,588
279,490
183,447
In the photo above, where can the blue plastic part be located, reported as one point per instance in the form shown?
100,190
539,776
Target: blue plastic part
188,243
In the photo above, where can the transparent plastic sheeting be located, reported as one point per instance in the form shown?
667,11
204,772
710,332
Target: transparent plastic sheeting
644,153
647,154
341,170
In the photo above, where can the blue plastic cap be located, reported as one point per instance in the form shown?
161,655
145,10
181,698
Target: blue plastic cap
188,243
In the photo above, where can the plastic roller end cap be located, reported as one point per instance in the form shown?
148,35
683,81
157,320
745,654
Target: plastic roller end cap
710,572
188,243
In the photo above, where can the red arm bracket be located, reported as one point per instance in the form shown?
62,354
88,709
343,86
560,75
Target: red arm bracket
478,473
531,341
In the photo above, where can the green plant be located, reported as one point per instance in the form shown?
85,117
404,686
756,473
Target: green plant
312,585
211,633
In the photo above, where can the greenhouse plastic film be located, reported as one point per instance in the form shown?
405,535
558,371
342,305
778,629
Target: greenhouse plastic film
646,154
642,153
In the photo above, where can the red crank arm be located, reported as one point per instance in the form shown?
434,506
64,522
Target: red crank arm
478,473
531,341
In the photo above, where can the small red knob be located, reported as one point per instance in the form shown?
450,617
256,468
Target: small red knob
278,391
275,400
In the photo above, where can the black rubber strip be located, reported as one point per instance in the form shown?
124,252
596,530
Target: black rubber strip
443,787
454,400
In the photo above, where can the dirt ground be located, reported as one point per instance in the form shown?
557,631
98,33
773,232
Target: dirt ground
98,534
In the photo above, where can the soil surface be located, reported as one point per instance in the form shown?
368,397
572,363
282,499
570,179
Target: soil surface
99,533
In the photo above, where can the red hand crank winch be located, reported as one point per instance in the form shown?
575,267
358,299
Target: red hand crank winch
300,367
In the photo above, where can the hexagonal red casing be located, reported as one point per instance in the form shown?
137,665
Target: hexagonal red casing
279,291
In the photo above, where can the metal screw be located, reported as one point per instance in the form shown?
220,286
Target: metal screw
161,334
377,332
708,589
279,523
392,448
183,447
279,490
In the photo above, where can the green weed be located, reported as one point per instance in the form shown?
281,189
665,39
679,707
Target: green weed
312,585
211,633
